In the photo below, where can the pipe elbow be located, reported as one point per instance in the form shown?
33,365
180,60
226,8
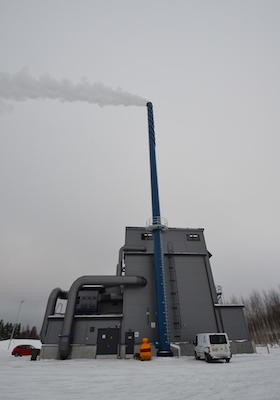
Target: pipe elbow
106,281
64,347
50,309
143,281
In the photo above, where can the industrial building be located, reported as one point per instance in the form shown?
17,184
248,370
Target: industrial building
111,314
163,290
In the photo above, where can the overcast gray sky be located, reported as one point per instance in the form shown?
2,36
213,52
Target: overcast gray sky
74,174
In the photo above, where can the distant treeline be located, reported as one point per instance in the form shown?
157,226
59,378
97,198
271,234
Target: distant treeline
262,311
20,332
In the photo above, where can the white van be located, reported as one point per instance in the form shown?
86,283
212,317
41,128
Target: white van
212,346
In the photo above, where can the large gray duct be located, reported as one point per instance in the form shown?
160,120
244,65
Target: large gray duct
121,253
104,280
57,293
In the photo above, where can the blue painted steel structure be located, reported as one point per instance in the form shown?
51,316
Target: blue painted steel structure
157,226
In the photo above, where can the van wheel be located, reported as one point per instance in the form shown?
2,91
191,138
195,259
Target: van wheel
196,356
227,359
208,358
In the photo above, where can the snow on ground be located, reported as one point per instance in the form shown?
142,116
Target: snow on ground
247,376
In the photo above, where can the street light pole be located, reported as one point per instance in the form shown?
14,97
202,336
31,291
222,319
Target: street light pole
13,331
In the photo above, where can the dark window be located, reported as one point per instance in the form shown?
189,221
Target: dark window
147,236
218,339
193,236
91,329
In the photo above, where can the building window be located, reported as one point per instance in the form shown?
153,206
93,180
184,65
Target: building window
193,237
147,236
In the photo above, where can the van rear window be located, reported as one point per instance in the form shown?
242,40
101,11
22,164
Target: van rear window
218,339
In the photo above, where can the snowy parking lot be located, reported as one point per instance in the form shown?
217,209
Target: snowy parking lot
247,376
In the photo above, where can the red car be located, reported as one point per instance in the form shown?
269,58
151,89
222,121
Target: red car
24,350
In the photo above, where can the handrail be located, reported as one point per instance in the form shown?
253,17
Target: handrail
157,223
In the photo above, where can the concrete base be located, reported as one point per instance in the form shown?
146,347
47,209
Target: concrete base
49,352
122,348
105,356
83,351
186,349
243,347
237,347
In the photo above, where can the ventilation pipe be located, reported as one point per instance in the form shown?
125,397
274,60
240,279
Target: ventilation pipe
177,347
57,293
124,249
106,281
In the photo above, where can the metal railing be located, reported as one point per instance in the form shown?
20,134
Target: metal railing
157,223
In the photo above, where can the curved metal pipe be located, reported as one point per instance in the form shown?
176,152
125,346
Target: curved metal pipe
104,280
176,346
50,309
122,250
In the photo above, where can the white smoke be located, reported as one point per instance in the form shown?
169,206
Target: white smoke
22,86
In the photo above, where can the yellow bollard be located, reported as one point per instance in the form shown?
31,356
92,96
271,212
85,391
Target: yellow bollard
145,350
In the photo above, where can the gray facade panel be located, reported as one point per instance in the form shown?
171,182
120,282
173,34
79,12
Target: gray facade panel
194,283
54,330
234,322
139,303
84,331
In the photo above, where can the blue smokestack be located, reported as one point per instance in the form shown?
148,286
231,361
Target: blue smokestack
157,226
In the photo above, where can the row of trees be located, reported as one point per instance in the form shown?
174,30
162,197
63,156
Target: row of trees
20,332
263,315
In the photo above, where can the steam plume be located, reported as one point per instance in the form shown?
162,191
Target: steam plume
22,86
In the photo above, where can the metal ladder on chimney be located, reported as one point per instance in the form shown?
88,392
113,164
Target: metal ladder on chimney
174,292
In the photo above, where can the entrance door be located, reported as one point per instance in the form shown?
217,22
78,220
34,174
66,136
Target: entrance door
107,341
129,342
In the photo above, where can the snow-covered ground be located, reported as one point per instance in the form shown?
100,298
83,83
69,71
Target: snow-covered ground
247,376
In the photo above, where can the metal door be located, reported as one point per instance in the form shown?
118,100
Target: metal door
129,342
107,341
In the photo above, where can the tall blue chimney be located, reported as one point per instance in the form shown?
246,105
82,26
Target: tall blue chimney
157,226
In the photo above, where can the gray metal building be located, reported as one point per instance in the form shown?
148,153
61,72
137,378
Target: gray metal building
107,316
